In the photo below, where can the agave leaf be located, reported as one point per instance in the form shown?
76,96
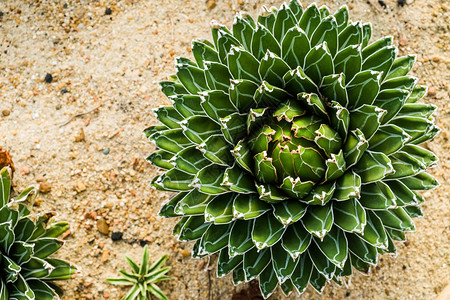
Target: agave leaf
289,211
381,60
401,66
348,186
362,249
334,246
296,81
224,43
268,281
170,88
238,274
220,209
5,186
168,116
6,236
388,139
377,45
238,180
214,239
174,180
399,83
167,210
268,17
217,104
294,47
363,88
272,69
340,119
397,235
193,228
262,41
318,219
405,165
373,166
285,20
351,35
270,193
241,94
24,228
314,103
233,127
359,265
270,95
341,16
377,196
199,128
319,62
333,88
203,52
21,290
266,231
283,263
240,237
310,19
396,218
226,264
296,239
321,263
417,93
374,232
254,262
161,159
417,110
302,273
366,118
249,206
348,61
192,78
45,247
190,160
243,30
209,180
320,194
243,65
242,155
336,166
349,215
217,149
217,76
327,30
413,126
172,140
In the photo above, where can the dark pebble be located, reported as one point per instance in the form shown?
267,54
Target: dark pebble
116,236
404,267
48,78
106,151
64,90
347,294
108,11
65,5
143,242
382,3
401,2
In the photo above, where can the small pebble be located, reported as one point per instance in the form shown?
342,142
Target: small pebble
44,187
6,112
108,11
106,151
402,42
25,170
80,137
185,253
64,90
48,78
432,91
102,226
116,236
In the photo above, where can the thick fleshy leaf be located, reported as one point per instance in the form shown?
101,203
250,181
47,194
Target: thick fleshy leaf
321,263
333,88
209,180
294,47
404,165
314,104
351,35
341,16
202,52
161,159
289,211
414,126
217,76
220,209
214,239
174,180
239,180
192,78
391,101
403,195
296,81
336,166
262,41
348,186
296,188
217,104
366,118
267,17
334,246
388,139
417,110
243,157
327,31
249,206
377,196
243,65
318,219
243,30
171,140
328,140
190,160
168,116
363,88
349,215
381,60
226,264
285,20
192,203
283,263
268,281
170,88
355,147
224,43
193,228
373,166
302,273
217,150
396,218
401,66
348,61
255,261
340,119
233,127
199,128
241,94
374,232
272,69
362,249
399,83
310,19
267,230
319,62
270,95
296,239
377,45
188,105
417,93
320,194
240,237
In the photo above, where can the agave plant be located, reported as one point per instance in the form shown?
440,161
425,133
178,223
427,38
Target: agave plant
292,143
26,242
143,278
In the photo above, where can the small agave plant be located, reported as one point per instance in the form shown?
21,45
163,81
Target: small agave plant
26,242
143,278
292,144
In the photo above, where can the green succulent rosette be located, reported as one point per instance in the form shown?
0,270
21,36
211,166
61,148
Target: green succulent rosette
27,241
292,144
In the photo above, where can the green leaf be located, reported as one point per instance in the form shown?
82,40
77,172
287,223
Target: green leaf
267,17
294,47
203,52
170,88
359,265
363,88
417,110
355,147
240,237
45,247
264,169
413,126
327,31
341,17
249,207
296,239
313,103
405,165
367,33
402,66
217,150
283,263
403,195
262,41
192,203
396,218
319,62
243,157
366,118
243,65
199,128
322,264
361,249
351,35
241,94
238,274
302,273
397,235
238,180
336,166
318,219
268,281
174,180
270,95
188,105
381,60
334,246
193,228
375,46
171,140
388,139
377,196
296,81
220,209
6,236
217,104
167,210
289,211
217,76
340,119
21,290
349,215
243,30
255,261
417,93
321,194
295,187
333,88
272,69
374,232
328,140
310,19
225,42
399,83
209,180
161,159
233,127
391,101
348,61
285,20
190,160
348,186
296,8
226,264
192,78
5,186
266,231
214,239
373,166
168,116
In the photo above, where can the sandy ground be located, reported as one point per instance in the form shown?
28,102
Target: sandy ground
94,164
